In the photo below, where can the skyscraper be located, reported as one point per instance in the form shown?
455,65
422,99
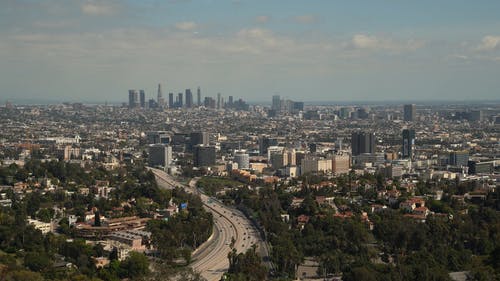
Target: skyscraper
142,95
341,163
189,98
204,155
159,99
459,158
276,103
199,138
297,106
171,100
133,98
198,96
410,112
159,155
242,158
218,101
362,142
180,104
230,101
265,142
408,143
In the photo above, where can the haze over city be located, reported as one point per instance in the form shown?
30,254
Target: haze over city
94,51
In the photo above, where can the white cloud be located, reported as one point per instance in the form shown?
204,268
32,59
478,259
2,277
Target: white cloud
305,19
458,57
94,8
371,42
362,41
263,19
186,25
489,43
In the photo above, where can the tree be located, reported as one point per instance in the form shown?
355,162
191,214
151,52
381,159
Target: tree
36,261
135,265
360,273
23,275
246,266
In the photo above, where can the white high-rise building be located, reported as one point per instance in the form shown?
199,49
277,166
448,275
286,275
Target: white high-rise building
242,158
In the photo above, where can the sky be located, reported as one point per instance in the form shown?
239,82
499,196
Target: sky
304,50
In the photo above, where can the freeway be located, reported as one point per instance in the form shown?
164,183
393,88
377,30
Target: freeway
211,258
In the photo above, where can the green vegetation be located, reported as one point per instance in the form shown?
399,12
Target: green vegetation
212,185
178,236
26,254
245,266
398,247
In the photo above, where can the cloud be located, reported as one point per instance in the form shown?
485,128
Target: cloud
263,19
458,57
55,24
362,41
371,42
186,25
94,8
489,43
305,19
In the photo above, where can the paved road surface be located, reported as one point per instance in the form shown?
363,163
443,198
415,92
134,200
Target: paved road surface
210,259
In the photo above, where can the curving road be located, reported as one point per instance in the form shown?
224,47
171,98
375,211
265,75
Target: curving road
210,259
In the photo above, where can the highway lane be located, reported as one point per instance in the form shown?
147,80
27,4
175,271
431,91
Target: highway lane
211,258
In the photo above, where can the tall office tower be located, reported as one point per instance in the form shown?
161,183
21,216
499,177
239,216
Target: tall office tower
159,99
341,163
362,113
408,143
299,155
242,158
265,142
133,98
410,112
291,157
198,96
297,107
277,159
204,155
159,155
218,101
197,138
230,101
180,104
362,142
345,112
459,158
276,103
209,102
189,98
170,100
154,137
475,115
152,103
142,95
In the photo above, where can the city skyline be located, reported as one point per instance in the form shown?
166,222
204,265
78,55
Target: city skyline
94,51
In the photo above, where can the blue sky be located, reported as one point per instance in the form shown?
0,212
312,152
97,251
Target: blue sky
305,50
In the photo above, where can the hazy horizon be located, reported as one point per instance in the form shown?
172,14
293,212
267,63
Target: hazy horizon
311,51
